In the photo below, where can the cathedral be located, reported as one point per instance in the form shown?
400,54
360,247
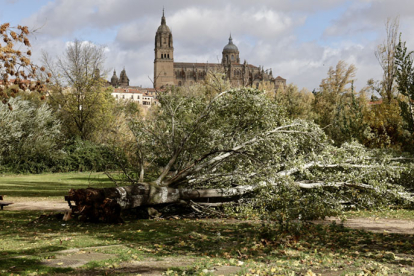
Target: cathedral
168,73
123,79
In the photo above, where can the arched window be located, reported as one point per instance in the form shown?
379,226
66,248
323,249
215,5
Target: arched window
179,83
168,55
232,57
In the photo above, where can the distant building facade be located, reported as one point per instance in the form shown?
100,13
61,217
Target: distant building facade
143,96
169,73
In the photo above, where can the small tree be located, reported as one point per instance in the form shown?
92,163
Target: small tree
386,57
79,92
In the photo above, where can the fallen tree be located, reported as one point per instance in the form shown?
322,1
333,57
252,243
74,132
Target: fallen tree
239,145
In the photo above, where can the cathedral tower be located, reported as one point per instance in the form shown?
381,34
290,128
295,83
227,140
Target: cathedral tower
123,78
164,56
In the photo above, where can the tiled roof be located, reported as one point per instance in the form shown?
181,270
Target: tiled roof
375,102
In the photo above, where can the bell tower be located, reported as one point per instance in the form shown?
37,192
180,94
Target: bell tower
164,56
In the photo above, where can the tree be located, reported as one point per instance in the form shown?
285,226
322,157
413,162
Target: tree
17,71
79,92
386,57
332,88
29,136
239,146
298,104
405,81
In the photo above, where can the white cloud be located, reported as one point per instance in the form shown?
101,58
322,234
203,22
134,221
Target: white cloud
265,33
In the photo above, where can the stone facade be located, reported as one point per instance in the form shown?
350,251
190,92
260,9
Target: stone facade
143,96
168,73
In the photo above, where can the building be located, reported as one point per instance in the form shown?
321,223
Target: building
169,73
122,81
143,96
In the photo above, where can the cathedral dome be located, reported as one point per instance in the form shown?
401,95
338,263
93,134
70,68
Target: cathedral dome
230,47
163,28
114,79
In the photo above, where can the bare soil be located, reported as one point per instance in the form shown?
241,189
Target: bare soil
378,225
41,205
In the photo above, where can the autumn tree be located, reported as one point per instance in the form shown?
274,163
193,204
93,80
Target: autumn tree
298,104
332,89
18,73
79,92
384,116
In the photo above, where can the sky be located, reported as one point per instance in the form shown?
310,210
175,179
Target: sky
298,39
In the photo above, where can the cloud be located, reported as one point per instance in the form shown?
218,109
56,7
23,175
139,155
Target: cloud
265,32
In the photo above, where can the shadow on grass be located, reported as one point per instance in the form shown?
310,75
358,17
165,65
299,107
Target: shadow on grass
26,264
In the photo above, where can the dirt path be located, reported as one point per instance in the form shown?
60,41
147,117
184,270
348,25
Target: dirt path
378,225
58,206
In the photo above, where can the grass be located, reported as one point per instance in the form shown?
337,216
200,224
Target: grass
30,238
49,186
258,249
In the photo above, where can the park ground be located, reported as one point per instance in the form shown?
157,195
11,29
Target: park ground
34,240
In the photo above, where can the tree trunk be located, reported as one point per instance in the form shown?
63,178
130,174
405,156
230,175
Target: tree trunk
106,204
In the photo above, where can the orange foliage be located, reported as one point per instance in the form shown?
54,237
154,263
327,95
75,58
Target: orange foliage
15,62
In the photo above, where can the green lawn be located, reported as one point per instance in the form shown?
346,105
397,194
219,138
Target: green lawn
50,186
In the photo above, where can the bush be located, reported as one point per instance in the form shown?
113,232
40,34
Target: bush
31,142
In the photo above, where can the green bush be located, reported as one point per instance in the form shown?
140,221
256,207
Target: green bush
31,142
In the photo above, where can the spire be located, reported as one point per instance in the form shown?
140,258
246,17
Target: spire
230,39
163,21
